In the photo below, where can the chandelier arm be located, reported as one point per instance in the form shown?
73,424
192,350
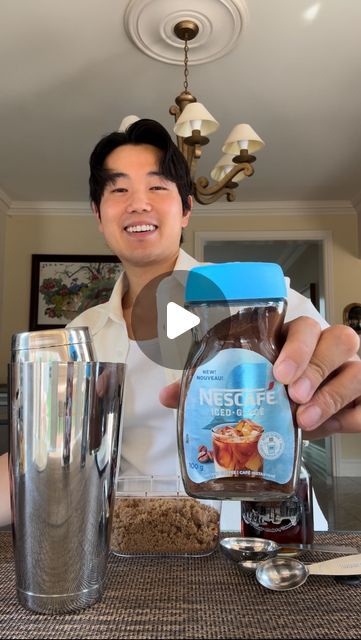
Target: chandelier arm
191,161
204,194
203,182
182,147
248,169
208,199
174,111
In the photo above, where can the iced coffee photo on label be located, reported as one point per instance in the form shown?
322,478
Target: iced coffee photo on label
235,447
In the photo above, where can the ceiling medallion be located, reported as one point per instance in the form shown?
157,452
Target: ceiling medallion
150,25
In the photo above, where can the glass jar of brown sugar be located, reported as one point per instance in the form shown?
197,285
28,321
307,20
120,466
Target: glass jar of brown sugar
236,433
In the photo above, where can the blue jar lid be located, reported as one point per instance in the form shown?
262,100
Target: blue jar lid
235,281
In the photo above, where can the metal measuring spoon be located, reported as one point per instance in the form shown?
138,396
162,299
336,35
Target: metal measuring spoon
249,552
252,549
282,574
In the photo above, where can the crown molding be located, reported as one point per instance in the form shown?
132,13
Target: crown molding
5,202
275,208
43,208
357,205
239,209
356,201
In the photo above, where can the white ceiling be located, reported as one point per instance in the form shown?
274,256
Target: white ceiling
69,73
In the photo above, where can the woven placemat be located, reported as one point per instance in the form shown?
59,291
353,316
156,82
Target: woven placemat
191,598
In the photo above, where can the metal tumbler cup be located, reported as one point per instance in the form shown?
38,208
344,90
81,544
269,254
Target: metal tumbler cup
70,344
64,435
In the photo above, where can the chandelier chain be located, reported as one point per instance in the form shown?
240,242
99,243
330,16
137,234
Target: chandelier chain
186,72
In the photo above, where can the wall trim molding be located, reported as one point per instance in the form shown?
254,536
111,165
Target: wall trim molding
349,467
356,201
274,208
22,208
357,205
239,209
5,202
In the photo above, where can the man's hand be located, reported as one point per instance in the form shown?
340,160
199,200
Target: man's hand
5,512
169,396
323,374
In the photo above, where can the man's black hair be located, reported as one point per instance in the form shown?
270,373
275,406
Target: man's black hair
172,166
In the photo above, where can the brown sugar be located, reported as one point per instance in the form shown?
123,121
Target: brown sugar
180,525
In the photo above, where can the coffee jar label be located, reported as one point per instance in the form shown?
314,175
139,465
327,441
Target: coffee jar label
238,420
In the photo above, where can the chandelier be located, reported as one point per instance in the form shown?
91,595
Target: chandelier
193,123
156,33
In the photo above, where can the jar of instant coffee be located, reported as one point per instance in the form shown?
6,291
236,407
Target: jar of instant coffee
236,433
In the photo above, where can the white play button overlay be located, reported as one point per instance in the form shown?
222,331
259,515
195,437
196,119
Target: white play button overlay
160,322
179,320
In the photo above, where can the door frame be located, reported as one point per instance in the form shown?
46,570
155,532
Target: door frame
333,444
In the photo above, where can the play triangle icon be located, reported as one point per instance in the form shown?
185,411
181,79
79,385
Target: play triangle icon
179,320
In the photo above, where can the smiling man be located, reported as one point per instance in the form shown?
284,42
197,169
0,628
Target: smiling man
140,189
142,202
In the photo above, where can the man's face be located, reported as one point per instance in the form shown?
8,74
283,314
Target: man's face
141,214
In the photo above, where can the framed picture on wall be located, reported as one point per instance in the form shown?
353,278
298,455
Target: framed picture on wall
62,286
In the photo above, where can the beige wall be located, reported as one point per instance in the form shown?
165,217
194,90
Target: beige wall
29,234
2,263
38,234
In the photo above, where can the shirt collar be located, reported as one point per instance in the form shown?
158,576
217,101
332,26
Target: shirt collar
114,305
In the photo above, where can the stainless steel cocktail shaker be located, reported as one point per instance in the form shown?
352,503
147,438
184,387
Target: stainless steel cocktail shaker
64,435
71,344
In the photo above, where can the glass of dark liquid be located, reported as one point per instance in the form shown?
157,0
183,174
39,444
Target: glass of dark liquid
287,521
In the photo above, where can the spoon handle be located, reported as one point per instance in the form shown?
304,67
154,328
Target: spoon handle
346,566
329,548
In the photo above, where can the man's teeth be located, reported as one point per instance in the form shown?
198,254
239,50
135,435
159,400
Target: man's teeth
141,227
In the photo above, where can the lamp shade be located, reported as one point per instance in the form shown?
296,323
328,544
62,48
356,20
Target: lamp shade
242,136
223,166
127,121
195,116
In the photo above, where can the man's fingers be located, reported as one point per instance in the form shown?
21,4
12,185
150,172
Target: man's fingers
325,360
101,384
323,374
338,392
302,336
169,396
322,379
346,421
